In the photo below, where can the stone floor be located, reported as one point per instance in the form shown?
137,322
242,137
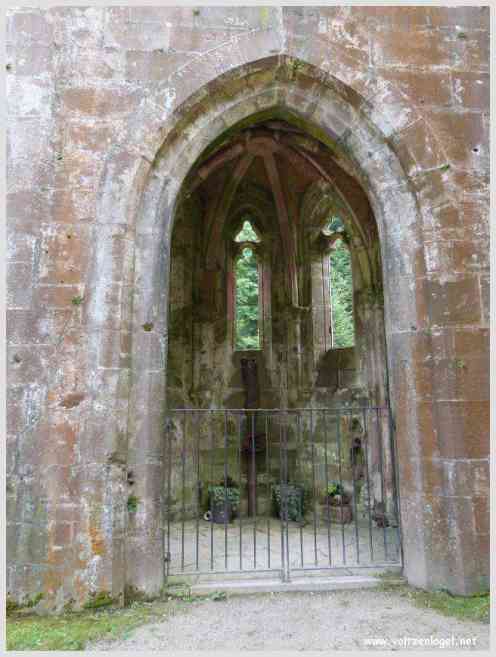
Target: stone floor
255,544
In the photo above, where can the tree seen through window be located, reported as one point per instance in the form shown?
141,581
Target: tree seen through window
247,327
343,330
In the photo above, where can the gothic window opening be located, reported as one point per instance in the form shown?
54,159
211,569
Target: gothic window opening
247,318
247,233
342,328
341,301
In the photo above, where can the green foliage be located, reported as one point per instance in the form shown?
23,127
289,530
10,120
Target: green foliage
73,631
77,301
132,504
247,233
219,494
334,488
11,605
295,500
335,225
100,599
247,292
469,608
342,297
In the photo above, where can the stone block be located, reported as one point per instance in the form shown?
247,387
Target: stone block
456,256
64,255
474,52
96,102
26,364
421,49
154,66
122,33
462,18
463,136
26,209
20,282
57,296
418,148
30,26
29,154
455,301
471,90
484,281
463,429
32,60
423,88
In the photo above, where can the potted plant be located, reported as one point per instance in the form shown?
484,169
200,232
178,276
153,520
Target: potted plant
294,495
223,501
339,504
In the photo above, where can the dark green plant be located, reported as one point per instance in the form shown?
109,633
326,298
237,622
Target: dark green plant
11,605
247,301
334,488
218,495
342,296
34,601
132,504
97,600
336,494
77,301
294,499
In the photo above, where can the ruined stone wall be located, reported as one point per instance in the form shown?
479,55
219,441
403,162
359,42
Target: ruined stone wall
108,109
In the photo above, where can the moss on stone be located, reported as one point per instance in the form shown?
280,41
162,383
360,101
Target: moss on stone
100,599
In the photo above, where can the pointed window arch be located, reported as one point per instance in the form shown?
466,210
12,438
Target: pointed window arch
247,233
247,301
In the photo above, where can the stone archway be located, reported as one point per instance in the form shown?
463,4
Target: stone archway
337,113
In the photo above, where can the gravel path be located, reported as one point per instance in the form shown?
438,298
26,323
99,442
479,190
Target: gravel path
299,621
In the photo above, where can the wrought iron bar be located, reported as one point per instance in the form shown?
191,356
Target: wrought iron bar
254,492
326,491
287,572
369,497
312,438
240,484
169,497
384,510
198,493
212,447
267,485
183,477
226,511
338,436
300,444
282,503
396,490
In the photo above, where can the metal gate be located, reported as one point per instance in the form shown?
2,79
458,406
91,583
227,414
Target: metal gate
279,491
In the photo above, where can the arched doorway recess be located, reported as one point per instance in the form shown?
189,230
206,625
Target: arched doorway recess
337,117
276,369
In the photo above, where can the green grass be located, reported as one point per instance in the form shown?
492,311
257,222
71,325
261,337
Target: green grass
469,608
473,608
74,630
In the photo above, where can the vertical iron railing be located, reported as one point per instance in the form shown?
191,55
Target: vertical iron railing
295,472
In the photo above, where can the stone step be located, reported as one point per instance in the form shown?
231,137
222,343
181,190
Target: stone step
297,584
